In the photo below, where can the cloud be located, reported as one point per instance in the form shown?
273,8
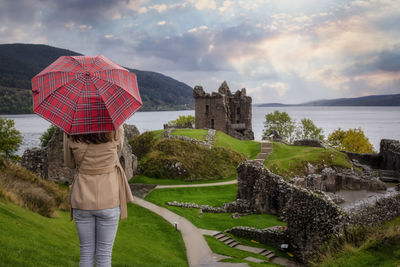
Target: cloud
203,4
268,92
161,23
158,8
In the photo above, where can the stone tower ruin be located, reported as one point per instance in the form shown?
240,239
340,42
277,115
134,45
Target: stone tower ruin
224,111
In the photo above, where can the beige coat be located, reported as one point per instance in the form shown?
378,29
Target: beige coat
99,181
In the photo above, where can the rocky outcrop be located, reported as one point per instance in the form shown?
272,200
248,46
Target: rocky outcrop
48,162
387,159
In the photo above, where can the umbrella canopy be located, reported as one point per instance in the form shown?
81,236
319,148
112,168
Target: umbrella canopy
83,94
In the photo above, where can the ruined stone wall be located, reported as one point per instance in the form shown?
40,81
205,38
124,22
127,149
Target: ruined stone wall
275,236
312,217
382,210
223,111
48,162
390,152
216,111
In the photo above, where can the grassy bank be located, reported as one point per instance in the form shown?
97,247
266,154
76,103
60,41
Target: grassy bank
289,161
248,148
22,187
29,239
370,247
213,196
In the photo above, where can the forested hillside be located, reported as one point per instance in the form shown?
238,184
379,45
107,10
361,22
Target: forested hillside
20,62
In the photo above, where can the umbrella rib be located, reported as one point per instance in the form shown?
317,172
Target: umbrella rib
57,89
104,100
111,82
76,104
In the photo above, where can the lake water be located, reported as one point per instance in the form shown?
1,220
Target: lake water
376,122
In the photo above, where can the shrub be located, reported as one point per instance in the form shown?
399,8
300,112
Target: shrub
27,190
142,144
289,129
352,140
280,122
10,139
183,121
47,135
308,130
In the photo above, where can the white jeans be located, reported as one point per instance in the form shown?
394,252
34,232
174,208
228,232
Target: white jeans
96,230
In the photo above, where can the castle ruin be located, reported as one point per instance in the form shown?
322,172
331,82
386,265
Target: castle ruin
224,111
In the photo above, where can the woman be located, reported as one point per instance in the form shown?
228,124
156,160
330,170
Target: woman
98,193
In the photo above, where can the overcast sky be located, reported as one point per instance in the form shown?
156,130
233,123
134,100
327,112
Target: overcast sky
287,51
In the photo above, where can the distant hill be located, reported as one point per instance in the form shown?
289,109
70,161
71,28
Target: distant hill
20,62
372,100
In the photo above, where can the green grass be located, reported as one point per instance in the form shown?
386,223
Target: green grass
237,255
381,248
247,147
29,239
157,134
213,196
192,162
142,179
289,160
198,134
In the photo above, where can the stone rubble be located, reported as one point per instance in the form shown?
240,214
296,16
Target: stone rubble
208,143
48,162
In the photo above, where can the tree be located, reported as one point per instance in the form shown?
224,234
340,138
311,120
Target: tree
280,122
352,140
308,130
10,139
183,121
46,136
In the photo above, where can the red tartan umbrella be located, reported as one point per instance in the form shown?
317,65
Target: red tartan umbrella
82,94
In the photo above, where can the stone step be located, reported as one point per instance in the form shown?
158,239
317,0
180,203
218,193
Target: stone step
223,239
234,244
389,173
230,242
266,150
266,145
389,179
260,160
270,256
262,156
219,234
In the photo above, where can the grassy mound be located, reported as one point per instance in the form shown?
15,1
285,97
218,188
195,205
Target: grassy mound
27,190
377,246
178,159
289,161
28,239
248,148
213,196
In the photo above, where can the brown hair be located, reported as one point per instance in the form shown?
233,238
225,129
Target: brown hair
92,138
